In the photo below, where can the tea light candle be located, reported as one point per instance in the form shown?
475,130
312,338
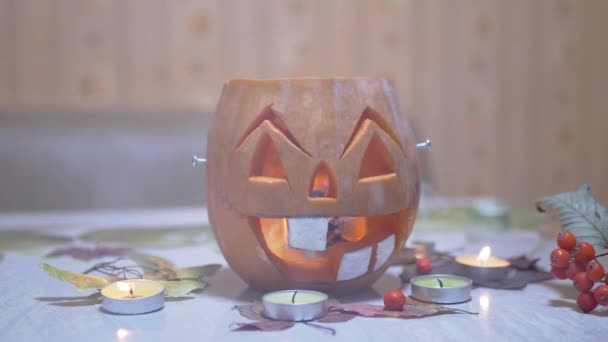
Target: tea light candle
423,249
441,288
483,266
133,296
295,305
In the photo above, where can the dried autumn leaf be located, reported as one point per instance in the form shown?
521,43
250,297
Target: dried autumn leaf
86,253
338,313
336,317
197,272
178,288
157,268
580,214
409,311
266,325
253,311
81,281
522,262
519,280
150,262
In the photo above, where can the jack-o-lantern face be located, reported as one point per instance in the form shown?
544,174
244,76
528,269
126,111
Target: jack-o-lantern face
311,182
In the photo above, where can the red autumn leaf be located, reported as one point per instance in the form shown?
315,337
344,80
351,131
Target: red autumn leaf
86,254
338,313
266,325
336,317
254,312
409,311
522,262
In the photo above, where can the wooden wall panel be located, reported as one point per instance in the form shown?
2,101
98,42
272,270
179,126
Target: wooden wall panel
480,96
35,36
594,166
7,56
343,48
387,43
429,90
297,38
516,119
244,53
513,93
558,105
146,54
456,84
87,48
196,67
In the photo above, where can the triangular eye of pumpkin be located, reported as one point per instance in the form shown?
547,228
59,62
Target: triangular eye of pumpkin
266,161
376,160
323,184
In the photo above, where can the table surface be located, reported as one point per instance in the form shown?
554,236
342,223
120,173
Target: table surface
35,307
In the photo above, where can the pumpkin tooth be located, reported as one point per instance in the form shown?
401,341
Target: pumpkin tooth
355,264
309,233
384,250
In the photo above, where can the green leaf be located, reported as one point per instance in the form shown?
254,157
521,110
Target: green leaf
197,272
81,281
580,214
178,288
150,262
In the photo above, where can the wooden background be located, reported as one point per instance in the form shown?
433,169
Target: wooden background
514,94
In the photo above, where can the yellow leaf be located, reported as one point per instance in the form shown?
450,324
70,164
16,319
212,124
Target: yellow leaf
178,288
150,262
81,281
197,272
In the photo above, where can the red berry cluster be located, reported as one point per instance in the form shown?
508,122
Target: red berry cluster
577,261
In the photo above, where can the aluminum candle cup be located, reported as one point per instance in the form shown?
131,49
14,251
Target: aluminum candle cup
295,305
133,296
441,288
491,269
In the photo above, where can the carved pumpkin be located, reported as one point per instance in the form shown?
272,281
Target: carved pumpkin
311,183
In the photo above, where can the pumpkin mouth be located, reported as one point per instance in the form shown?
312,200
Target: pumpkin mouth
323,249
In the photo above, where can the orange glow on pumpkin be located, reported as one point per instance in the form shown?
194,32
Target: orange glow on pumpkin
266,160
323,184
323,266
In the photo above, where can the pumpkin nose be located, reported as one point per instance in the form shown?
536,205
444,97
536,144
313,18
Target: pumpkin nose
323,184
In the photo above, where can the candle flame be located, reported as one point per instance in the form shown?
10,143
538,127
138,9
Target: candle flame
124,286
484,255
420,252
